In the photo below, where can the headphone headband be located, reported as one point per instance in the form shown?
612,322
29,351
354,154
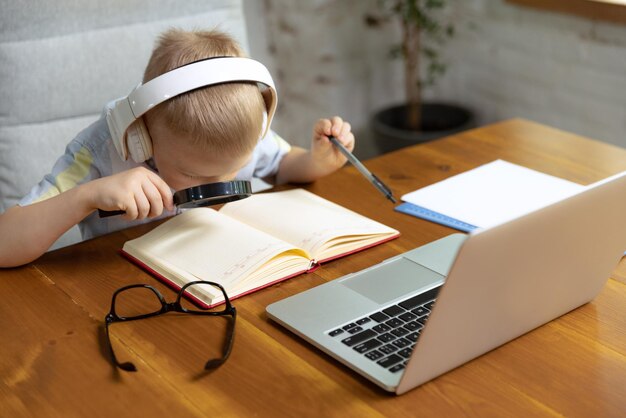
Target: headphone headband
195,75
184,79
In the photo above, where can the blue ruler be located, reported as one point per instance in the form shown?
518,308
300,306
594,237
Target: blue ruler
429,215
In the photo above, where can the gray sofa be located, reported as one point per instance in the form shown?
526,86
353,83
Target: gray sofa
60,62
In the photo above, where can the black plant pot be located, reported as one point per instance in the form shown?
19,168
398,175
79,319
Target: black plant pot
438,120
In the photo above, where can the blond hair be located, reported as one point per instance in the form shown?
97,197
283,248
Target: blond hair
225,118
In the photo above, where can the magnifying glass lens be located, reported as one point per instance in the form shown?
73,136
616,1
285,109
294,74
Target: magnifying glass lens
212,194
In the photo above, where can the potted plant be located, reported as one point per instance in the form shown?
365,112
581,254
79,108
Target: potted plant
422,33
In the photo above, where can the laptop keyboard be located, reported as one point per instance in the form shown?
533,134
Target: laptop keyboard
388,336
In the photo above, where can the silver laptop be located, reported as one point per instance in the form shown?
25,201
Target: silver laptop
418,315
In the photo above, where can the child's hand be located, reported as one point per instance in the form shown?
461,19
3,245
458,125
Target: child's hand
302,166
139,192
323,152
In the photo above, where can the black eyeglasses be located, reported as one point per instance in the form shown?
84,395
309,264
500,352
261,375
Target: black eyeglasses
139,301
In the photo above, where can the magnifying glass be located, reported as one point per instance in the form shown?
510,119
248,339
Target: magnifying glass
204,195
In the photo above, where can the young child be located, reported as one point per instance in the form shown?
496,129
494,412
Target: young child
206,135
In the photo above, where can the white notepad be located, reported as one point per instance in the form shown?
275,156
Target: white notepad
487,195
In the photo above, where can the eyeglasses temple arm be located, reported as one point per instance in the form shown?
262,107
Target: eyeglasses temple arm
126,366
228,344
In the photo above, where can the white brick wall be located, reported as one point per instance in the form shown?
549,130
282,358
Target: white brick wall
561,70
505,61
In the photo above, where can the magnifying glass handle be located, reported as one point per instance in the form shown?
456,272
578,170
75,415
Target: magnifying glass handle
107,213
203,195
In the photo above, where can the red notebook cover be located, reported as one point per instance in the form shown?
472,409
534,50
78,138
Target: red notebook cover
201,304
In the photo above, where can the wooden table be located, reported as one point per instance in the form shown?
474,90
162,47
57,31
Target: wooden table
52,362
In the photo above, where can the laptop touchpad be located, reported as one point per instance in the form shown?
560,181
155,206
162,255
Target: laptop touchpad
388,281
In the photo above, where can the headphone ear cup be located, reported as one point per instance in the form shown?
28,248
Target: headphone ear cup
138,141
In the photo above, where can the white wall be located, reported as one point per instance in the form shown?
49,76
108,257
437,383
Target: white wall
557,69
325,62
505,61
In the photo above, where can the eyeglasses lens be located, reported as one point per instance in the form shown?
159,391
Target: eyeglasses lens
137,301
199,292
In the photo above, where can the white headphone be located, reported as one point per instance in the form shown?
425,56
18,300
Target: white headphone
124,117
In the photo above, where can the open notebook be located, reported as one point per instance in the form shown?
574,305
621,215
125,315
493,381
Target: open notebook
252,243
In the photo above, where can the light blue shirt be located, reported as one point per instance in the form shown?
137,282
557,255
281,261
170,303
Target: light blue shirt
92,155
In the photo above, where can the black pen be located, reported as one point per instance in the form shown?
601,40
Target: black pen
359,166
